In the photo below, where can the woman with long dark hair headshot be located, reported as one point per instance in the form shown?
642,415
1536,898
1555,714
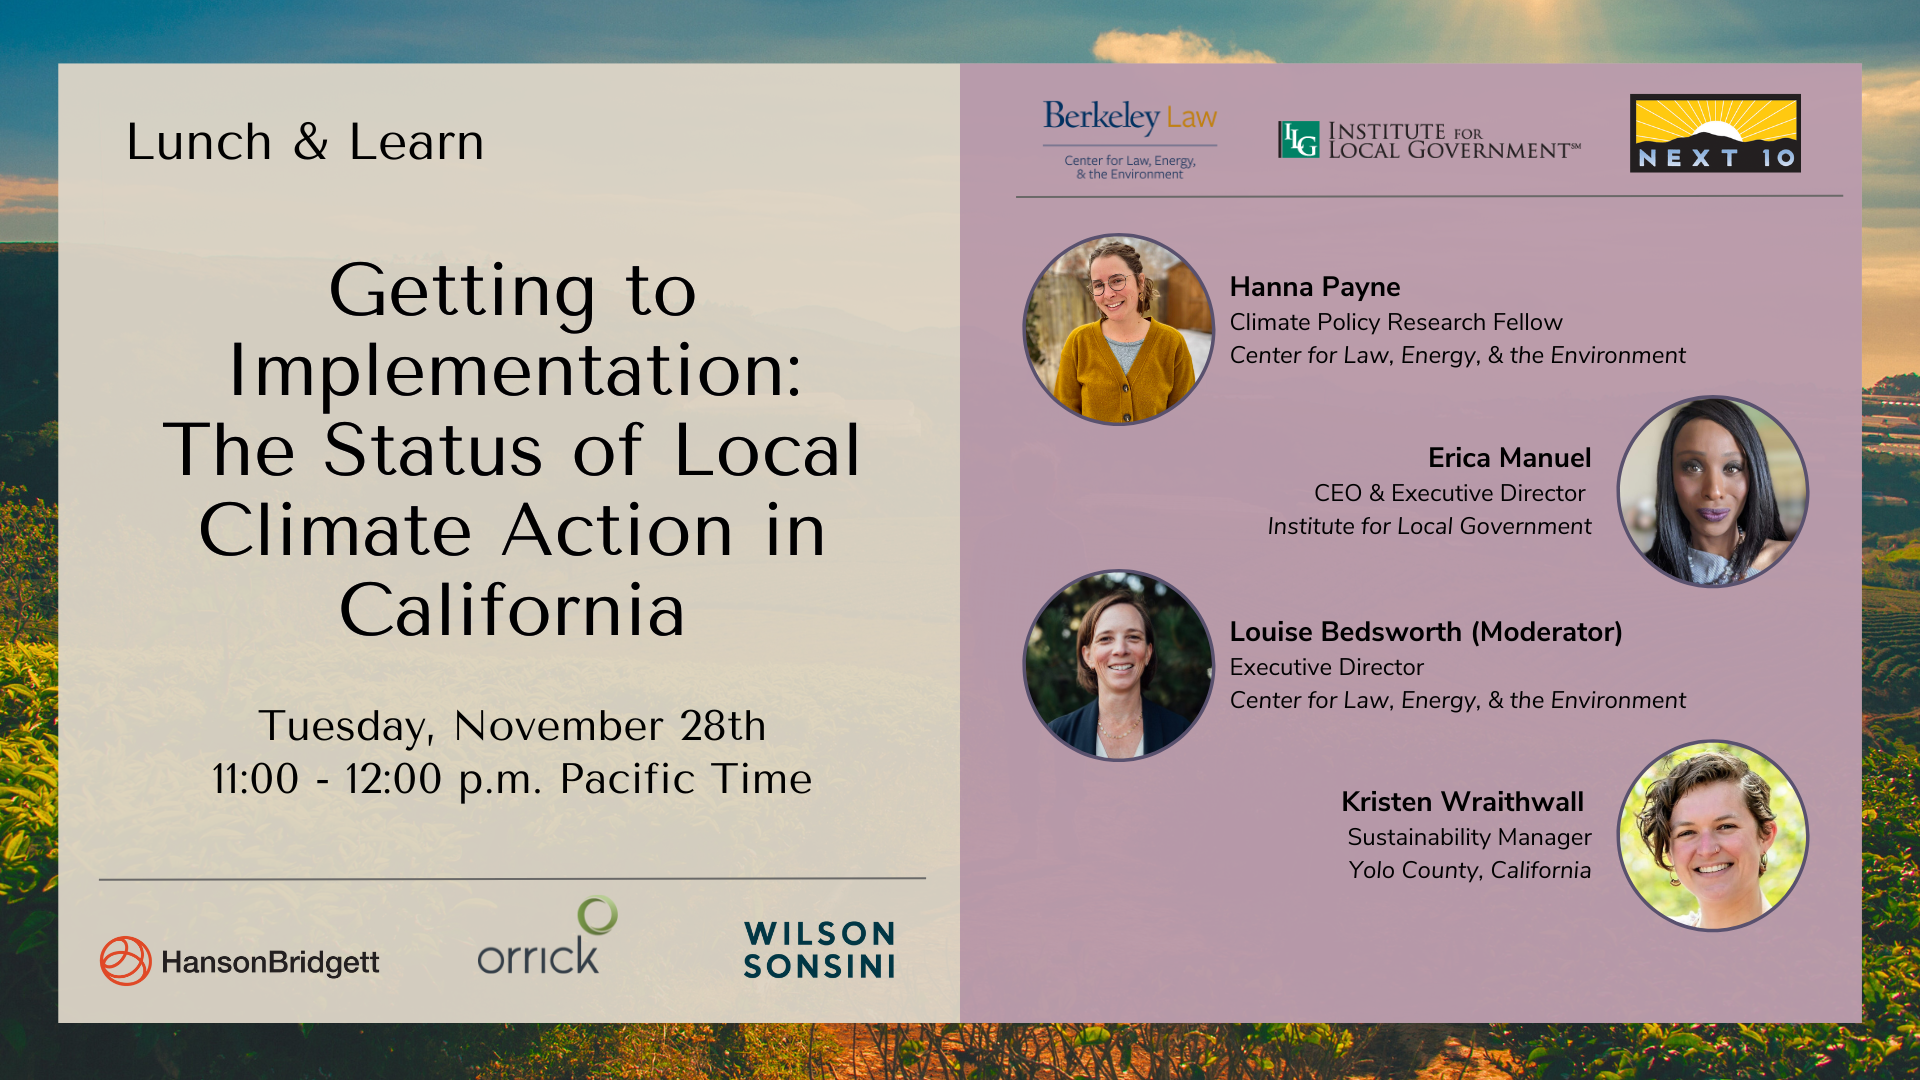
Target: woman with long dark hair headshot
1716,521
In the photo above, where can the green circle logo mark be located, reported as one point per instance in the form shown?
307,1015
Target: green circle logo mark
613,915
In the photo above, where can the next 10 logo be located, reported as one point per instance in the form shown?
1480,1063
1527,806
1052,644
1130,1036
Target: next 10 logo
1701,134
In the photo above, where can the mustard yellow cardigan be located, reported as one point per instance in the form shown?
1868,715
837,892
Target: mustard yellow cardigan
1091,382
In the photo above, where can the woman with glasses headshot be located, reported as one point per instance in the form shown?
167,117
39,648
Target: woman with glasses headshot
1124,368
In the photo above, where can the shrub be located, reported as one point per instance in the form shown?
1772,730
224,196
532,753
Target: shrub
29,567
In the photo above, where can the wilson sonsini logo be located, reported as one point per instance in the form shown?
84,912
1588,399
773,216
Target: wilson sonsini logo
1708,133
856,949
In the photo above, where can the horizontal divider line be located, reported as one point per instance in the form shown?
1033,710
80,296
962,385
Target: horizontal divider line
582,879
1649,195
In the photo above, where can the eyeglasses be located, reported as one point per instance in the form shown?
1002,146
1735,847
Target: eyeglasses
1116,283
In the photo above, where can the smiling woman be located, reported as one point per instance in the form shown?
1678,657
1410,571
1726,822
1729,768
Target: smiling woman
1146,663
1713,835
1118,328
1713,491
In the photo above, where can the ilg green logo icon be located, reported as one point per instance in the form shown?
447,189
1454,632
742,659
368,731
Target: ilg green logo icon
1299,138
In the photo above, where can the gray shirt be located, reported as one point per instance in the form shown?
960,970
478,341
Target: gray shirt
1126,352
1706,568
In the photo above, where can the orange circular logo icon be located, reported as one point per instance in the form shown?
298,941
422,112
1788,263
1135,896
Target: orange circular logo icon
126,960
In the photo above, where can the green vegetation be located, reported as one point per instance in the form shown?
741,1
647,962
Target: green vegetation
21,445
1891,474
1889,650
1110,1051
29,380
1883,1046
567,1051
1886,1044
29,567
438,1051
29,847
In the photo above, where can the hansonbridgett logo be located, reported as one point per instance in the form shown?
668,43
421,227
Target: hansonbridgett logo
1299,138
1707,133
273,962
125,960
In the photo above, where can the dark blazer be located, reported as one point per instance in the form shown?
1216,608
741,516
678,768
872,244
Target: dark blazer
1080,728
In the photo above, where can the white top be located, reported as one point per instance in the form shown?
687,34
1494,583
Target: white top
1100,745
1692,918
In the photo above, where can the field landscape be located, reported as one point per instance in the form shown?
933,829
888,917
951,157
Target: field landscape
34,1045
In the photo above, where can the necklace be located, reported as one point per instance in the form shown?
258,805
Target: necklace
1726,572
1123,731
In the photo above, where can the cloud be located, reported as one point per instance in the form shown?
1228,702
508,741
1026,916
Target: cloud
27,195
1900,274
1893,99
1174,47
1890,111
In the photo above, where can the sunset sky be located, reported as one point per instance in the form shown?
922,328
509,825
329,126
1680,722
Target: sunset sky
1883,35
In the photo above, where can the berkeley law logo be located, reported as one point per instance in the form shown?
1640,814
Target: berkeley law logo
126,960
1299,138
1709,133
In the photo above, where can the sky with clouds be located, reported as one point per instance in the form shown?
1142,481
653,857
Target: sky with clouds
1882,35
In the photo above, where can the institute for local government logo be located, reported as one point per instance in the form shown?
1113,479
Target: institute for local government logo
1299,138
125,960
1709,133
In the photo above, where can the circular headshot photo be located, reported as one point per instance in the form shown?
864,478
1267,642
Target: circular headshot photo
1713,491
1119,665
1119,329
1712,835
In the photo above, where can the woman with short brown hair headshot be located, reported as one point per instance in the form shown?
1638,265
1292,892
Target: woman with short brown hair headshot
1710,823
1116,661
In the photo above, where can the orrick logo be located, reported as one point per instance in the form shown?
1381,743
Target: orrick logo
125,960
557,959
1299,138
613,915
1715,133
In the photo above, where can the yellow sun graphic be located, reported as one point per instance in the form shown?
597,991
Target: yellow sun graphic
1745,119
